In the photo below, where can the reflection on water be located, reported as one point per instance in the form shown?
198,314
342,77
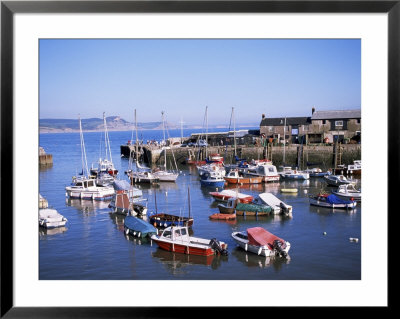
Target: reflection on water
253,260
176,263
87,207
43,232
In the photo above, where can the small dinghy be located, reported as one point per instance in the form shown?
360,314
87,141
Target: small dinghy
289,190
138,227
220,216
331,201
225,194
50,218
261,242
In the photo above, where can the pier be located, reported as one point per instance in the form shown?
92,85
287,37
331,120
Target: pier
45,159
295,155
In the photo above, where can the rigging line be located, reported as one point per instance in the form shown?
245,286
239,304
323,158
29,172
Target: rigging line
173,154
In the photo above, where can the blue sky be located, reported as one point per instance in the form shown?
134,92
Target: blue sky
261,76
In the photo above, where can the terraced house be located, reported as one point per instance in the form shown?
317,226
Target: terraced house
321,127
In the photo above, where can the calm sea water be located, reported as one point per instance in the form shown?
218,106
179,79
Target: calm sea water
94,246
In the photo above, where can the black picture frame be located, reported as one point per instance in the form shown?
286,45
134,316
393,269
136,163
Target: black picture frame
9,8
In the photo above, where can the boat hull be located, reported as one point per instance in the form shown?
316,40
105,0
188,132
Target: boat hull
226,210
244,180
165,220
210,183
89,195
259,250
319,203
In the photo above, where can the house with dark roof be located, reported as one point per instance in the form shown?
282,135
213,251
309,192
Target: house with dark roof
320,127
292,127
329,126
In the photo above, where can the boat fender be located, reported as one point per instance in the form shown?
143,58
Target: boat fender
245,247
259,251
126,230
134,233
139,234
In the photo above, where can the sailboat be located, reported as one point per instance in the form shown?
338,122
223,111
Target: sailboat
162,174
165,220
140,176
105,165
83,186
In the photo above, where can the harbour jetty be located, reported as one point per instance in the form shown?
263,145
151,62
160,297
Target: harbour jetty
45,159
295,155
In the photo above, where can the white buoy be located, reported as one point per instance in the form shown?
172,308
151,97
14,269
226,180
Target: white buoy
353,239
305,191
324,232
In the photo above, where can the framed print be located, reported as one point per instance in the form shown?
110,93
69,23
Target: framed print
182,91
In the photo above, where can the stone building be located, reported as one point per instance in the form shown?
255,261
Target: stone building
321,127
329,126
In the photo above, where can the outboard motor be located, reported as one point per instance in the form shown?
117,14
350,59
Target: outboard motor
278,248
215,244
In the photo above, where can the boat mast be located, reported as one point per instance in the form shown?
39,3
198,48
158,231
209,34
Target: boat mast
106,138
206,128
284,143
189,200
83,150
234,130
181,130
165,151
136,142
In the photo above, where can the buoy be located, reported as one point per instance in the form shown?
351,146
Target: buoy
324,232
353,239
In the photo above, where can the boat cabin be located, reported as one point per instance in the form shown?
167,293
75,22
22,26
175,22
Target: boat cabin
174,233
83,183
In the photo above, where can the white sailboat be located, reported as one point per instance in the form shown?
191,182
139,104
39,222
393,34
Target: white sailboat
84,186
105,172
163,174
140,176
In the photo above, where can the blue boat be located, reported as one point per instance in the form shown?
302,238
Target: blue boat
138,227
213,179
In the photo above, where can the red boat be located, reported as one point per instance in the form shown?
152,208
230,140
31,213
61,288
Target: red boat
224,195
177,239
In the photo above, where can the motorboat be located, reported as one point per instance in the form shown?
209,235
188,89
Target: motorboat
349,170
177,239
209,168
261,242
50,218
289,173
336,180
316,172
348,191
214,179
139,177
264,169
86,188
138,227
331,201
233,177
277,205
225,194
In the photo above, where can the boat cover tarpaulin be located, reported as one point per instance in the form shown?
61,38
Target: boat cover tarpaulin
137,224
253,208
333,199
258,236
122,201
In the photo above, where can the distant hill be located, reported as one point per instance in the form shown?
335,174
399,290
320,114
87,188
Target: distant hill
114,123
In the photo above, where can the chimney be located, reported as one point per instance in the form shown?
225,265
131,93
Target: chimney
312,110
263,116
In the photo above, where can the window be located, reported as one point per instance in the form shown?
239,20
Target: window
167,234
305,127
270,129
358,121
90,184
338,123
183,231
323,121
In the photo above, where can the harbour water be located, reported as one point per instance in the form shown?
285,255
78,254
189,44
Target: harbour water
93,245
